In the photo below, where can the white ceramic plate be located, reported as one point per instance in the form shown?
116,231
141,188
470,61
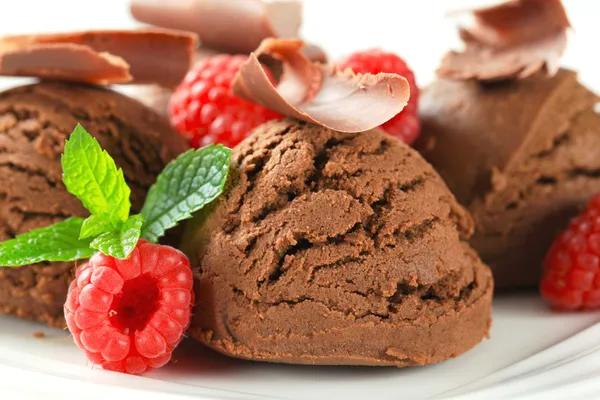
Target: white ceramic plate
533,353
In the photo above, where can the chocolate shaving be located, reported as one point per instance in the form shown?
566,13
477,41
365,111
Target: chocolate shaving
232,26
100,57
514,39
63,61
317,93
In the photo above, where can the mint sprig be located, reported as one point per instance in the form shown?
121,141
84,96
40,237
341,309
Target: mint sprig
187,184
193,180
58,242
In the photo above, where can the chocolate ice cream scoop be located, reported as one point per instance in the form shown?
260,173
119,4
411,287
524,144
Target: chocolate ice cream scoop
522,156
339,249
35,120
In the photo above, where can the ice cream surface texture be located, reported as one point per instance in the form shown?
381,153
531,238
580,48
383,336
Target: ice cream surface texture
336,248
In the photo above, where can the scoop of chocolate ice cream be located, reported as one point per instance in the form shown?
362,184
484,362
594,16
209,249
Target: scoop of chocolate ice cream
35,121
521,155
336,248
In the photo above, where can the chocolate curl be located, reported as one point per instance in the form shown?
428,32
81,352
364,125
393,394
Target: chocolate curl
101,57
514,39
317,93
236,26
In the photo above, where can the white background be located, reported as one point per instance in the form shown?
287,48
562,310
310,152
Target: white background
415,29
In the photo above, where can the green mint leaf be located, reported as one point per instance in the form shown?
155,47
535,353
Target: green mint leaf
91,174
58,242
120,244
95,225
187,184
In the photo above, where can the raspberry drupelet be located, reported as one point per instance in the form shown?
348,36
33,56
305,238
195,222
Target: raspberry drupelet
204,109
571,278
129,315
406,125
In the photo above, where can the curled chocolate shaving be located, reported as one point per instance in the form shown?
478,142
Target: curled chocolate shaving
100,57
318,93
232,26
514,39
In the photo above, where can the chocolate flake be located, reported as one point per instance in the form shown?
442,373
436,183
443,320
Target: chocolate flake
100,57
233,26
318,93
514,39
63,61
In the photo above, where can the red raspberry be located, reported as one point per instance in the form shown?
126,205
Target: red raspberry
571,277
406,125
205,110
129,315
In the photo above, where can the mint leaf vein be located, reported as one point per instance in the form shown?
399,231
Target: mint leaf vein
188,183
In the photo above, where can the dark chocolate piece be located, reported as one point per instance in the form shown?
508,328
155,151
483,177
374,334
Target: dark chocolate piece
512,40
233,26
317,93
101,57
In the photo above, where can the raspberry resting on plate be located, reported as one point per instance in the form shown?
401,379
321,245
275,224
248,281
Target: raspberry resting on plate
571,277
205,110
406,125
129,315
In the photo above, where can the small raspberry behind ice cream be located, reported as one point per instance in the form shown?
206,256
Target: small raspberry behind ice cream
205,110
406,125
129,315
571,277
